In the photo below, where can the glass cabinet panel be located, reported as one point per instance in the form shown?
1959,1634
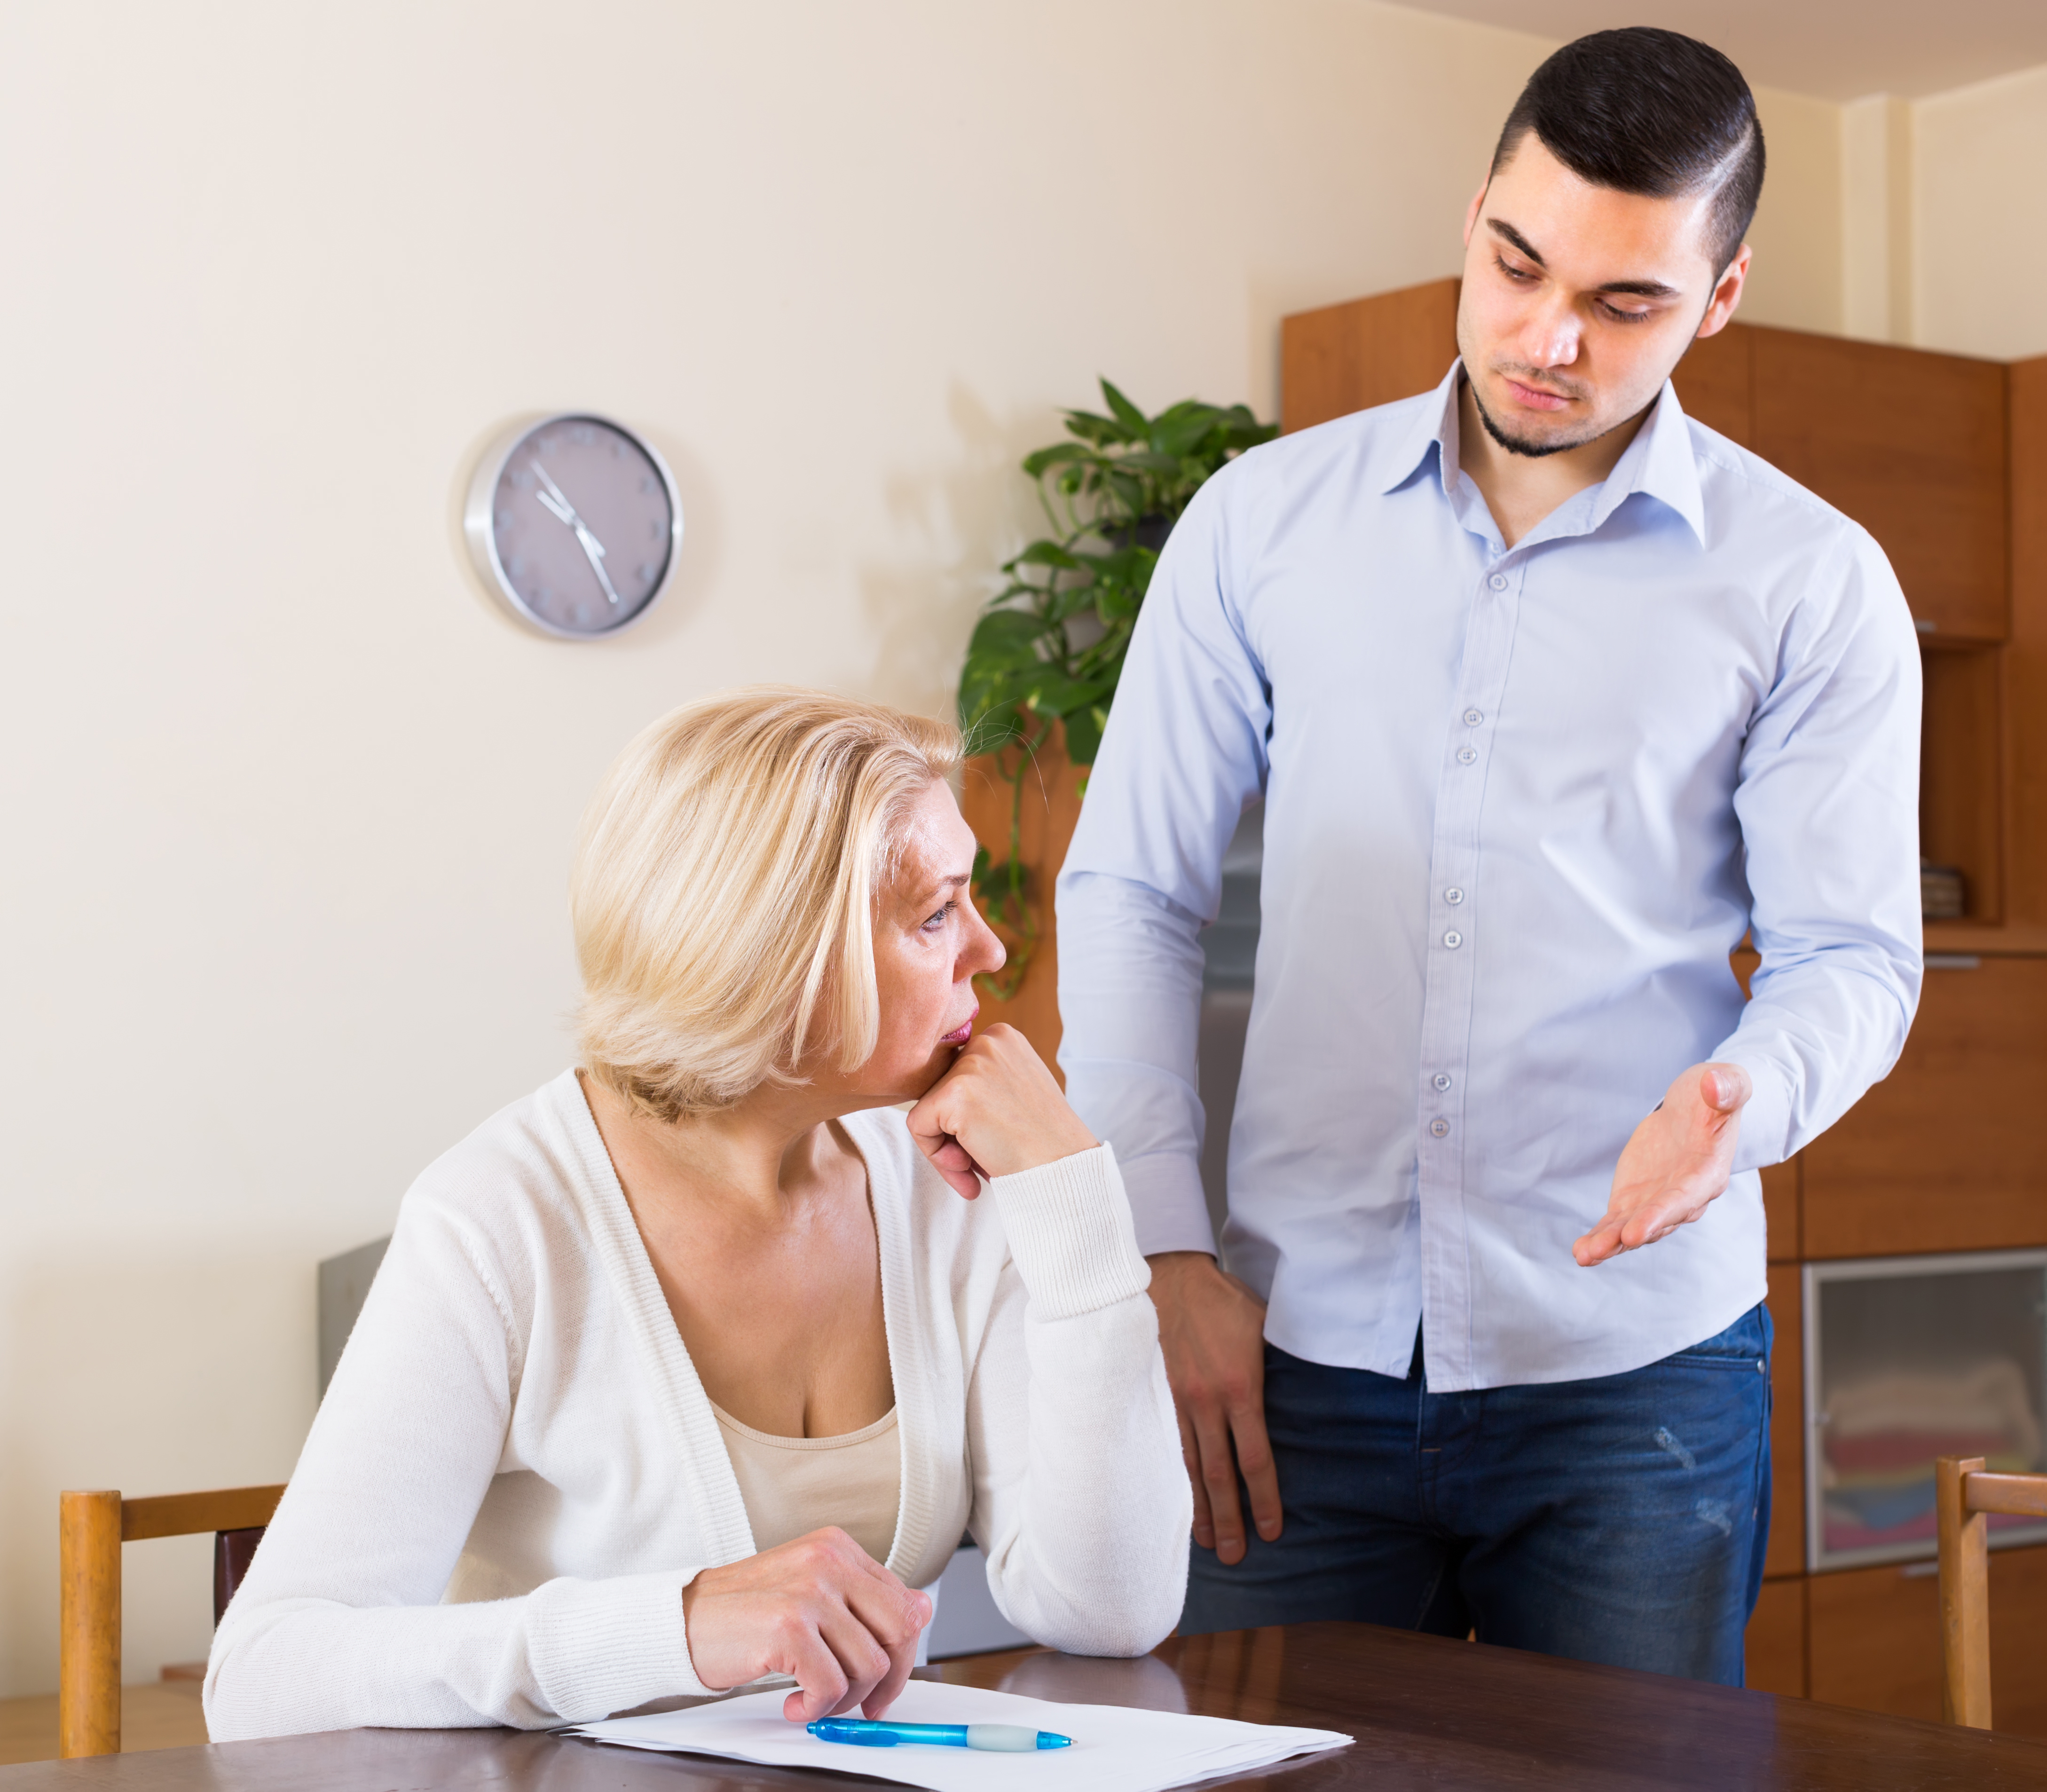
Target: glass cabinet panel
1908,1359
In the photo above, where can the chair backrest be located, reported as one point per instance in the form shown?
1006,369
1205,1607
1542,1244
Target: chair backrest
92,1525
1965,1493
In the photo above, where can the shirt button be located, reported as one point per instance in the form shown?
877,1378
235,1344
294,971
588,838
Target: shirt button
1473,718
1466,755
1498,581
1440,1128
1454,895
1441,1081
1453,939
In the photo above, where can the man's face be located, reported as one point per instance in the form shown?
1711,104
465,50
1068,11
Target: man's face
1578,300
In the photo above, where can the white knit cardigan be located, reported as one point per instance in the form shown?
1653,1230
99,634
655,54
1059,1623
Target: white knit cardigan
516,1471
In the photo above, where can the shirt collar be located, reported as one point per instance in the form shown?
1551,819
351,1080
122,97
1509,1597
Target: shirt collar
1434,427
1659,463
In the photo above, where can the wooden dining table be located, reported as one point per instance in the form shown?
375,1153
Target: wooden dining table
1425,1711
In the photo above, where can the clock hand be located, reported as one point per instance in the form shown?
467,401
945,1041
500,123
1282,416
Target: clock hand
593,550
561,506
557,504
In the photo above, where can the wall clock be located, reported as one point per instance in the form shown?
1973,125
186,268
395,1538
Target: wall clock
574,524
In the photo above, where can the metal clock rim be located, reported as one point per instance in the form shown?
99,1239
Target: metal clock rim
477,514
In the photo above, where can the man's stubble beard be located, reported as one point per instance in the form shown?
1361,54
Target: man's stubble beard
1519,445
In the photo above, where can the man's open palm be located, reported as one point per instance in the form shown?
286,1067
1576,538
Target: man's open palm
1675,1165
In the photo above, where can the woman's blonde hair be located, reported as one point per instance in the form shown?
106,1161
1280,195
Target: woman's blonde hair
725,891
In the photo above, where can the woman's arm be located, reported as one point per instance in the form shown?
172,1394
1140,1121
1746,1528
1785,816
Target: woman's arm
1082,1501
339,1622
1080,1497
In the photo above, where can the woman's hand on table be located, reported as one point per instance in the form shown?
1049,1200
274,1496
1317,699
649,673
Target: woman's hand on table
821,1610
997,1111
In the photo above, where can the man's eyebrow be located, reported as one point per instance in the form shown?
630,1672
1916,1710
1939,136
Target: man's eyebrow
1499,227
1635,289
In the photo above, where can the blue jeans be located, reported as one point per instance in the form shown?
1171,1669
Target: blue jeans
1621,1519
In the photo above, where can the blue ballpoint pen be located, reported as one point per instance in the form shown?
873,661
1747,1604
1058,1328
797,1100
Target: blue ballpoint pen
1009,1739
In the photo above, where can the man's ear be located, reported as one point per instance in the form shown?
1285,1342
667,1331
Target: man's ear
1727,295
1478,199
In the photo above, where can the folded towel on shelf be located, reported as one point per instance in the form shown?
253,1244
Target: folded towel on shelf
1883,1433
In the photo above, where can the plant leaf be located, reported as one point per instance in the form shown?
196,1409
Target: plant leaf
1112,474
1126,413
1084,727
1102,432
1043,554
1036,464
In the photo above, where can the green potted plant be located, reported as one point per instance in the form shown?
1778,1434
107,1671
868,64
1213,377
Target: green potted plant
1049,647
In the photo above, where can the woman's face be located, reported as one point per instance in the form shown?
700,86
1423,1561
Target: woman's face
930,941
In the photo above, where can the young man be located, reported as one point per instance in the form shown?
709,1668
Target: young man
1551,695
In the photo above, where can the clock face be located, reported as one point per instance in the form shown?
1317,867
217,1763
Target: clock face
578,530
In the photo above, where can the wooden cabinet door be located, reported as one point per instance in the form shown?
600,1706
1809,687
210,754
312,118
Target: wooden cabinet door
1371,351
1911,445
1949,1152
1786,1553
1714,381
1775,1644
1873,1640
2025,661
1781,1204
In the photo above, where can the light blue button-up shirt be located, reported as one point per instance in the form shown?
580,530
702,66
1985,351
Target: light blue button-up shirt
1520,805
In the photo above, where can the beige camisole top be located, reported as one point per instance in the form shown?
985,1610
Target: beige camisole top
793,1486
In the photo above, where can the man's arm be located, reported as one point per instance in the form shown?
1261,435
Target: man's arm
1183,755
1829,803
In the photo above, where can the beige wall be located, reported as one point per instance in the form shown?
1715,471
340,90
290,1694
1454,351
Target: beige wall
1796,281
1980,260
286,806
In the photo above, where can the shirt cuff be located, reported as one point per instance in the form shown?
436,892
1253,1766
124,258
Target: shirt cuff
1070,1230
598,1647
1168,1204
1766,1117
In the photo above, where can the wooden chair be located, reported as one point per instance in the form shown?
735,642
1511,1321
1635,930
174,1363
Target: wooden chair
92,1527
1965,1493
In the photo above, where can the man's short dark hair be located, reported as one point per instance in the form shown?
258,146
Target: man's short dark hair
1652,112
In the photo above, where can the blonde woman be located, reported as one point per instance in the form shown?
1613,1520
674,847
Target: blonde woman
691,1368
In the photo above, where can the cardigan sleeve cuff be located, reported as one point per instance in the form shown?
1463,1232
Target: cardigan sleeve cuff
598,1647
1071,1233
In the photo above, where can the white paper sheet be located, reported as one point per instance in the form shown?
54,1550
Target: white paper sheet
1116,1749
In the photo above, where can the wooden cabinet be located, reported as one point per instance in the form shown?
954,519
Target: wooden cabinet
1786,1553
1370,351
1949,1153
1715,384
1960,743
1911,445
1873,1640
1774,1645
1050,809
2023,664
1781,1211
